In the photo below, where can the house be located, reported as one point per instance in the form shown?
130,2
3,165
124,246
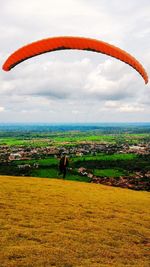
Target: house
15,156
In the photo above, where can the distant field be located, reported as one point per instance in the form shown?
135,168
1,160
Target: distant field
85,137
46,139
64,224
107,157
22,142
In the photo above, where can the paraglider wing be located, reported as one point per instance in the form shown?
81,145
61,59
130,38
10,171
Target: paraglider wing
60,43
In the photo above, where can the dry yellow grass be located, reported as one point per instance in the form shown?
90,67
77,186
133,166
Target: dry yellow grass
48,222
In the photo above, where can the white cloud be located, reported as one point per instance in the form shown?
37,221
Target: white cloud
124,107
2,109
98,87
130,108
111,104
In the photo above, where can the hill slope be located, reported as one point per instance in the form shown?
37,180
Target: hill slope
47,222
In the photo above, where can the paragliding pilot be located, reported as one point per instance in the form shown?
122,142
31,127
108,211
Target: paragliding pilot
63,164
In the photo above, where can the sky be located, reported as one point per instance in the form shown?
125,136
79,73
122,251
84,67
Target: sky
71,85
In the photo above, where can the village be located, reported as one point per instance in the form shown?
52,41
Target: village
10,153
138,181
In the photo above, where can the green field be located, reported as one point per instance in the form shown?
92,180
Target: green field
21,142
53,172
48,168
48,162
114,165
109,172
47,139
54,161
105,157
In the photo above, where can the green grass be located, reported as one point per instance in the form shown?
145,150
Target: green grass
86,137
42,162
47,173
109,172
23,142
13,141
47,168
107,157
51,172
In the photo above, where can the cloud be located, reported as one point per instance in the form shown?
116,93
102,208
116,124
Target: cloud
72,80
2,109
76,84
124,107
134,108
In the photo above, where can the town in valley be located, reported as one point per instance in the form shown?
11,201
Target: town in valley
111,155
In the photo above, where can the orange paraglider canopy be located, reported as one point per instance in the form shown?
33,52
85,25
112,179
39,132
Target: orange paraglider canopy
60,43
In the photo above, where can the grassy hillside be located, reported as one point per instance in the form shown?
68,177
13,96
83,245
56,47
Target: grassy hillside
47,222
